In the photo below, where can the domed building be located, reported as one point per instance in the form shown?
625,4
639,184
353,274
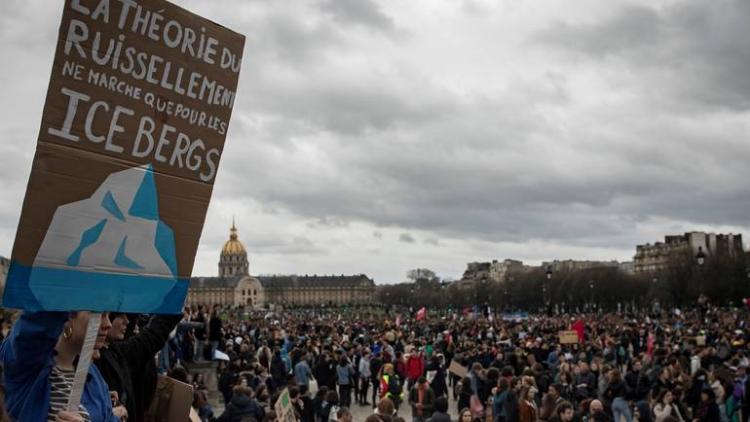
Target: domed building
235,286
233,257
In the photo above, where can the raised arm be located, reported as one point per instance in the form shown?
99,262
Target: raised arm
29,346
138,349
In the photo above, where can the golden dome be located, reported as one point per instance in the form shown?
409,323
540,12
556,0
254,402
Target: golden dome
233,246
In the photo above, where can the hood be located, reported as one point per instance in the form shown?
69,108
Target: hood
241,401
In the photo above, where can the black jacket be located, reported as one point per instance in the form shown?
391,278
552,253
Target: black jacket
128,363
239,408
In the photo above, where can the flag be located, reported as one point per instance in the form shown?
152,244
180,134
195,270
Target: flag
579,327
421,314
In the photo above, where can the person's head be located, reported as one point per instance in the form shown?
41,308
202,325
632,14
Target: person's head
707,395
422,382
344,415
120,323
388,368
74,332
441,404
615,376
465,416
179,373
386,407
332,397
243,391
565,412
665,397
554,390
270,417
596,406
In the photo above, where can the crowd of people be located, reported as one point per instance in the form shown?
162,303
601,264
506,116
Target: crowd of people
668,366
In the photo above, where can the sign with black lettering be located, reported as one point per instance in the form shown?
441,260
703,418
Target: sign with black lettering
137,111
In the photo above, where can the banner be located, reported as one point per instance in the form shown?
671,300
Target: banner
133,128
515,317
568,337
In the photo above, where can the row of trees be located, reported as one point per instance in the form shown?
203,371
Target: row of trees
724,280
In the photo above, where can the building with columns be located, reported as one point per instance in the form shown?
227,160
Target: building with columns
235,286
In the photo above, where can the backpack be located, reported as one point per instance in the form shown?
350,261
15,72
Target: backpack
394,386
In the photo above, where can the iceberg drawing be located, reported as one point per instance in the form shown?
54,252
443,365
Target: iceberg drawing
110,251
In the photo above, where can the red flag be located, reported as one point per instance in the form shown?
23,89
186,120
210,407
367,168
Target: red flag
421,314
650,345
580,328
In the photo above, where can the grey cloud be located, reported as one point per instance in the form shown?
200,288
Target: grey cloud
377,235
694,52
329,221
358,12
432,241
632,28
406,238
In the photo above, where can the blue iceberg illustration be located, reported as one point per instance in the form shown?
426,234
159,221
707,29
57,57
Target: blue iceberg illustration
110,252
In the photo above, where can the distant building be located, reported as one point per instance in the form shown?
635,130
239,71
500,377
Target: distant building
571,265
235,286
495,271
656,257
627,267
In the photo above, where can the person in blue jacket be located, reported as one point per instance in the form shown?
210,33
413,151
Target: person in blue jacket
39,356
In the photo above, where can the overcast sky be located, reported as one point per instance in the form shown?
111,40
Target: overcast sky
378,136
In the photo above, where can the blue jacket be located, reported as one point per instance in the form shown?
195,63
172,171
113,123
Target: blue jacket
27,355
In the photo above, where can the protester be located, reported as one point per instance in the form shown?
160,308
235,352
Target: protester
123,359
241,406
345,378
344,415
365,375
421,400
39,362
391,386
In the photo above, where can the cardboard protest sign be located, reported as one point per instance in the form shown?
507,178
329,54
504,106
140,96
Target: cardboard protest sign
457,369
134,123
171,401
283,407
568,337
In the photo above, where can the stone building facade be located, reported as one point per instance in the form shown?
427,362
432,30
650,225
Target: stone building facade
235,286
656,257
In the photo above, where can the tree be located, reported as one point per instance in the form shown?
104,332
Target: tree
421,274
